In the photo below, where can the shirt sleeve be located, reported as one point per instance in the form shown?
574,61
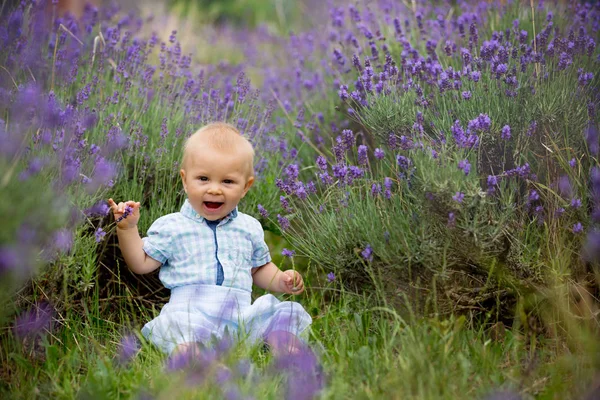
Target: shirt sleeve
260,251
158,242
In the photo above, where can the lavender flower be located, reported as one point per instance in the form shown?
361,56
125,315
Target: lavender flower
466,95
458,197
367,253
99,234
572,162
264,213
505,132
322,163
576,203
288,253
284,223
362,154
465,166
128,348
379,154
451,220
330,277
375,189
35,321
533,195
577,228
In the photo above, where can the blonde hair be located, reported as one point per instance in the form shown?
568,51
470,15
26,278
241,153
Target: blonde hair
220,136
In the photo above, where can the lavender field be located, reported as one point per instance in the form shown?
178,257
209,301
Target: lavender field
432,169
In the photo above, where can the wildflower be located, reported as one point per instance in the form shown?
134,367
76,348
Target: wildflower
264,213
466,95
533,195
572,162
379,154
375,189
99,234
458,197
288,253
577,228
35,321
403,162
330,277
465,166
576,203
128,210
592,136
451,220
559,212
367,253
63,240
128,348
322,163
283,222
564,186
362,154
292,171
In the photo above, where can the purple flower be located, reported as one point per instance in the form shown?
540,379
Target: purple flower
379,154
375,189
451,220
505,132
458,197
591,248
572,162
35,321
465,166
330,277
322,163
533,195
362,154
292,171
63,240
264,213
283,222
128,348
288,253
403,162
126,213
577,228
100,209
564,186
99,234
466,95
367,253
575,203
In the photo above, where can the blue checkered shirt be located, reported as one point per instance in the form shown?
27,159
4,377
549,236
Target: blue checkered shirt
186,246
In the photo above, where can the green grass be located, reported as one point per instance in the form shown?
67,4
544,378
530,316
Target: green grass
367,350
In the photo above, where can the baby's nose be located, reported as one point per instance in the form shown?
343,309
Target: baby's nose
214,189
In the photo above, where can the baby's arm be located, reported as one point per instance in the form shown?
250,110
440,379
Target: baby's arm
130,242
270,277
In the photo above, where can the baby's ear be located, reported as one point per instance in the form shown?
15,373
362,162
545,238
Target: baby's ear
249,184
182,174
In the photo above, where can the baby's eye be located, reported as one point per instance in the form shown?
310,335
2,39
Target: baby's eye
228,181
203,178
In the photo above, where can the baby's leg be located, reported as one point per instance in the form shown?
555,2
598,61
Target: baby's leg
185,348
283,343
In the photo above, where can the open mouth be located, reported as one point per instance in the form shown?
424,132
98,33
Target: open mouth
212,205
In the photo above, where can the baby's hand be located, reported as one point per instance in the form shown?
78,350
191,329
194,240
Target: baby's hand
126,214
291,282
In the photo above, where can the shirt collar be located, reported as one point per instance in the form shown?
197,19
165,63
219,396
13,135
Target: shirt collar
189,212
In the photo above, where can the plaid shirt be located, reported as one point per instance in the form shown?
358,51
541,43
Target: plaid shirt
186,247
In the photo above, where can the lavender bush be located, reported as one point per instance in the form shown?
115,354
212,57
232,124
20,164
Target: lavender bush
471,153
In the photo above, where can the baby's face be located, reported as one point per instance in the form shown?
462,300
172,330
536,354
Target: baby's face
215,181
